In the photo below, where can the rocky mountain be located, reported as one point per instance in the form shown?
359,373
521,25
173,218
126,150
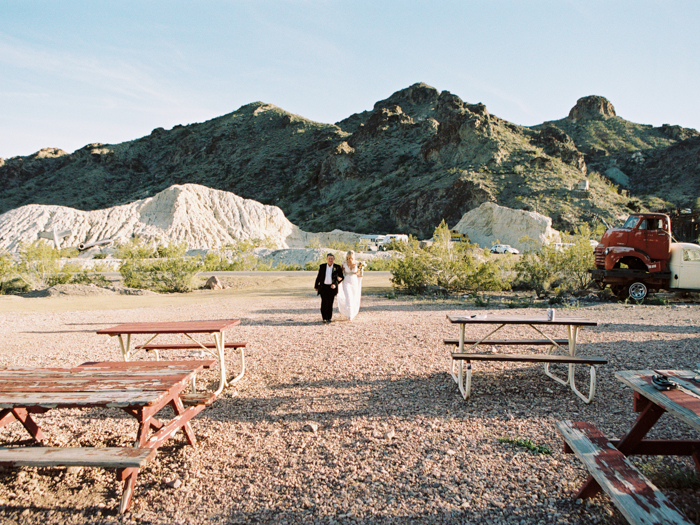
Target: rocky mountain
655,163
416,158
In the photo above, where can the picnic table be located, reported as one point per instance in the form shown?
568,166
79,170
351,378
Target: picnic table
216,348
140,388
606,460
561,351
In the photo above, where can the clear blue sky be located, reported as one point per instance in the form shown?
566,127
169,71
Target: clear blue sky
77,72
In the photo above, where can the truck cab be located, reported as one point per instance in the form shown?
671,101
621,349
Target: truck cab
642,243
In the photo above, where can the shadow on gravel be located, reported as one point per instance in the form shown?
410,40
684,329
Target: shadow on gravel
605,327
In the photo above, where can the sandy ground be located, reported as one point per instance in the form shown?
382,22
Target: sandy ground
352,422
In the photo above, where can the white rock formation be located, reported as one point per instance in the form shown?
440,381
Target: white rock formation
202,217
490,223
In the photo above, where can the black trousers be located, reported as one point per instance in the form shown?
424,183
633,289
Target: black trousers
327,297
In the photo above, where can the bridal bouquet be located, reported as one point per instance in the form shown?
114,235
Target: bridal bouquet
360,268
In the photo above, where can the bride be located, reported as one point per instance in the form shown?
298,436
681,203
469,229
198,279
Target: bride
350,291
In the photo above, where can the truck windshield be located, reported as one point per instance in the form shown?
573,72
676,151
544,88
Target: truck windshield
631,222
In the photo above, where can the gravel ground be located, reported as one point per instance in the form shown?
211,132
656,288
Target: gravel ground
352,422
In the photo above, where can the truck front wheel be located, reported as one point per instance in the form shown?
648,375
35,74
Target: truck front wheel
637,290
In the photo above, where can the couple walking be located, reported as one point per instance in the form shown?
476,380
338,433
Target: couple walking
344,281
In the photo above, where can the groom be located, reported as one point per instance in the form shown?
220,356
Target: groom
327,280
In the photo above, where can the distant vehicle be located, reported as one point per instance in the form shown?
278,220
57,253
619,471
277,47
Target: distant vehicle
392,237
504,248
371,242
562,245
456,236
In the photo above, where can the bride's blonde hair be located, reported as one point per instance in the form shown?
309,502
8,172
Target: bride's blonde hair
350,255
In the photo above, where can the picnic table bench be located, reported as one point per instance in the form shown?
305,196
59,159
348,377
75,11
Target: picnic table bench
215,348
140,388
462,355
639,500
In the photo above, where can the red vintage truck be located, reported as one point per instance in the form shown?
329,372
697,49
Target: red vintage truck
640,257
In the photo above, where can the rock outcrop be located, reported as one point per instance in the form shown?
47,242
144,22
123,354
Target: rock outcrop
491,223
592,107
202,217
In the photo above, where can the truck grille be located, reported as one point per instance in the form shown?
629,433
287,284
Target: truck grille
600,257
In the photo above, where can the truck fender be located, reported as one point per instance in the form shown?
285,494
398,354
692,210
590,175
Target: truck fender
616,253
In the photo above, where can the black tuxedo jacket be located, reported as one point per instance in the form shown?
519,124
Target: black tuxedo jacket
321,277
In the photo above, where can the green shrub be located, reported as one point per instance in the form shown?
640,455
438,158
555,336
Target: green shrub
313,265
135,248
14,286
175,274
565,269
412,271
38,264
236,256
7,271
172,249
85,277
446,264
378,265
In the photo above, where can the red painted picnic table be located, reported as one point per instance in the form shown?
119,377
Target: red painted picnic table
140,388
637,498
682,402
215,328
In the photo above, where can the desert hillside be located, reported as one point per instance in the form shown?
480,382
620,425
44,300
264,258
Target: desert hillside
419,156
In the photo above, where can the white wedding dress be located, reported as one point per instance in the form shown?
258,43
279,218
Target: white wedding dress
350,293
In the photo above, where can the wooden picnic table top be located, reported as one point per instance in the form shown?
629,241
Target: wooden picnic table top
519,319
683,401
113,384
172,327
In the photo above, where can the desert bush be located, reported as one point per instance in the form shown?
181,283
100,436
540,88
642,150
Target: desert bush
135,248
565,270
446,264
68,253
172,249
344,246
175,274
378,265
412,271
85,277
38,264
7,271
147,267
314,265
236,256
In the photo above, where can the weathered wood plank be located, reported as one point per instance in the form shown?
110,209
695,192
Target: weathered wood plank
90,385
75,399
684,379
87,371
200,398
633,494
533,358
680,404
183,365
119,457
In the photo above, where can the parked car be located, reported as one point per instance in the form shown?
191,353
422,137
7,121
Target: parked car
504,248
